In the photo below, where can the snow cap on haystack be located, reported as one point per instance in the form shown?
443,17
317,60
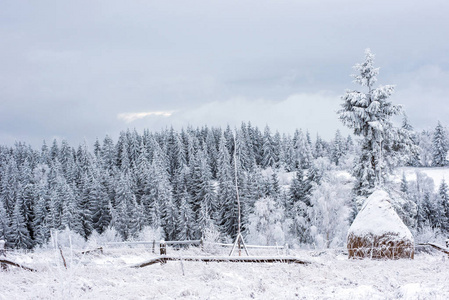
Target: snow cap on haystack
378,232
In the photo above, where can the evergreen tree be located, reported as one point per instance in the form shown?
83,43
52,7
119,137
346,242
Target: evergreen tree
303,150
268,152
19,234
440,147
125,213
338,148
404,184
298,206
185,221
204,203
4,223
443,193
368,114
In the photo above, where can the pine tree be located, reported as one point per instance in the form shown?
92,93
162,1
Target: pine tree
368,114
297,207
185,221
404,184
320,148
440,147
204,202
303,150
4,223
19,234
338,148
413,158
443,193
125,211
268,152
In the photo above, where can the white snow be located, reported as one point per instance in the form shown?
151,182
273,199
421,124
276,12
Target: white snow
330,276
377,217
437,174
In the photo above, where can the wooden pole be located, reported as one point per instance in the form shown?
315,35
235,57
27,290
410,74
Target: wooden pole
163,248
3,265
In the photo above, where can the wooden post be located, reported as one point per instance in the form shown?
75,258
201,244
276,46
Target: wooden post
154,246
202,244
3,266
163,248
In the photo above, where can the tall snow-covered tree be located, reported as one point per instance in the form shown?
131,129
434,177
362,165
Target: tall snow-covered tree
440,147
368,114
443,193
19,234
338,148
268,149
298,206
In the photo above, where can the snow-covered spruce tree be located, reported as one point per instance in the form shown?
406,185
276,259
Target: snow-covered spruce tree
440,147
443,193
424,140
20,236
4,223
297,207
268,151
368,114
413,159
337,148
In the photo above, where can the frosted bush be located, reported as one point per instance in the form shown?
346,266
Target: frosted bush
329,213
265,224
66,239
428,234
150,234
211,236
110,235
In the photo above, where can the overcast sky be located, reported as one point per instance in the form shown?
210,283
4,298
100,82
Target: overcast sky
79,70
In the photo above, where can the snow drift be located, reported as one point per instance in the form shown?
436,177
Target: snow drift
378,232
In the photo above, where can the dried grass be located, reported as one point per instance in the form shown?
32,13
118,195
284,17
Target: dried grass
386,246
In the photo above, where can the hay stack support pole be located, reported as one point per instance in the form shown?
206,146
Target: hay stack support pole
239,239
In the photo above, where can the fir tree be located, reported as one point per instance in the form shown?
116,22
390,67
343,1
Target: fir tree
440,147
19,234
338,148
443,193
368,114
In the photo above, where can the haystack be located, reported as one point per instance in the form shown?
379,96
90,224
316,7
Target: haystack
378,232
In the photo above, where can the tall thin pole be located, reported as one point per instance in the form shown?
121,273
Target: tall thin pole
236,186
239,239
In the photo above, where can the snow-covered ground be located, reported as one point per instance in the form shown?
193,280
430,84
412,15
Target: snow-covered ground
437,174
330,276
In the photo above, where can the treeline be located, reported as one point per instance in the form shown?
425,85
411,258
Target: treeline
182,182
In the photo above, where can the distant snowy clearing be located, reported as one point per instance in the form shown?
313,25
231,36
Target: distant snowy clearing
437,174
330,275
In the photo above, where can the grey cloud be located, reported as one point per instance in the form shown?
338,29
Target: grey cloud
69,68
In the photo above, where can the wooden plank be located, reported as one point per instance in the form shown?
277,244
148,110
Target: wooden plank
5,261
438,247
247,259
100,250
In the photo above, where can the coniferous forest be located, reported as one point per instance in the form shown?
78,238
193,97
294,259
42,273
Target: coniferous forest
182,183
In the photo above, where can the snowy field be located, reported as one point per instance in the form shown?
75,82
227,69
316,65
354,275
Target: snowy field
329,276
437,174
